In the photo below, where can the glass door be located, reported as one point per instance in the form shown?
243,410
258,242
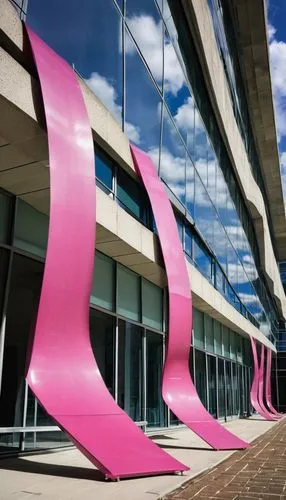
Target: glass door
201,377
221,389
228,389
212,385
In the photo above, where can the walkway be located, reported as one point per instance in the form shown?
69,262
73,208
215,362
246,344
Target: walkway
255,474
68,475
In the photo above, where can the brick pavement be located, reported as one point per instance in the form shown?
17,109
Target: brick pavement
258,473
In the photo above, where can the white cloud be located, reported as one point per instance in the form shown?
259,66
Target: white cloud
105,91
283,159
148,35
277,51
271,32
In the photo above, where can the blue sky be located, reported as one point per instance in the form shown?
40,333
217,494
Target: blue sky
277,49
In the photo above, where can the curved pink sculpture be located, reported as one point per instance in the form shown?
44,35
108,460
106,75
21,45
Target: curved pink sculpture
63,373
257,385
262,386
179,392
268,396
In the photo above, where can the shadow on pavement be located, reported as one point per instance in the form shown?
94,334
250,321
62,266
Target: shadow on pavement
59,470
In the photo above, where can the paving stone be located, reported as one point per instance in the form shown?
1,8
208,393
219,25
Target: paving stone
258,473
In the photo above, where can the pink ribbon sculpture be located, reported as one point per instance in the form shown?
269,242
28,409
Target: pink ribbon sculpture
268,396
179,391
63,373
257,388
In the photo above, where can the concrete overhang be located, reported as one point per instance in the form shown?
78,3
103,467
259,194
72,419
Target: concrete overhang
250,23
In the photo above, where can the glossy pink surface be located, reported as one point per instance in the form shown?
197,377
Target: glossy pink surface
179,391
268,396
262,385
257,384
63,373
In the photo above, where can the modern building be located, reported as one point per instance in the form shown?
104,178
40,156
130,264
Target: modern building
188,82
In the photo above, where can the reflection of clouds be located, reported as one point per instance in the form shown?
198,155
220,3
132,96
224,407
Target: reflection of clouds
247,298
184,117
105,91
172,169
148,35
237,273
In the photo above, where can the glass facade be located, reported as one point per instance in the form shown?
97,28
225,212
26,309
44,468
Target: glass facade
137,63
228,50
127,317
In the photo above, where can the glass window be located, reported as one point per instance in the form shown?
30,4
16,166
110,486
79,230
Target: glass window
198,327
176,92
190,187
233,346
212,385
156,409
239,340
42,418
31,419
130,195
217,337
102,328
188,242
225,341
128,293
173,159
173,419
97,54
103,284
31,229
143,101
130,369
180,225
145,24
209,332
201,148
104,171
201,376
25,286
202,259
211,173
5,217
46,440
235,389
152,305
247,359
220,244
228,387
220,281
10,442
221,196
221,389
4,260
204,212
